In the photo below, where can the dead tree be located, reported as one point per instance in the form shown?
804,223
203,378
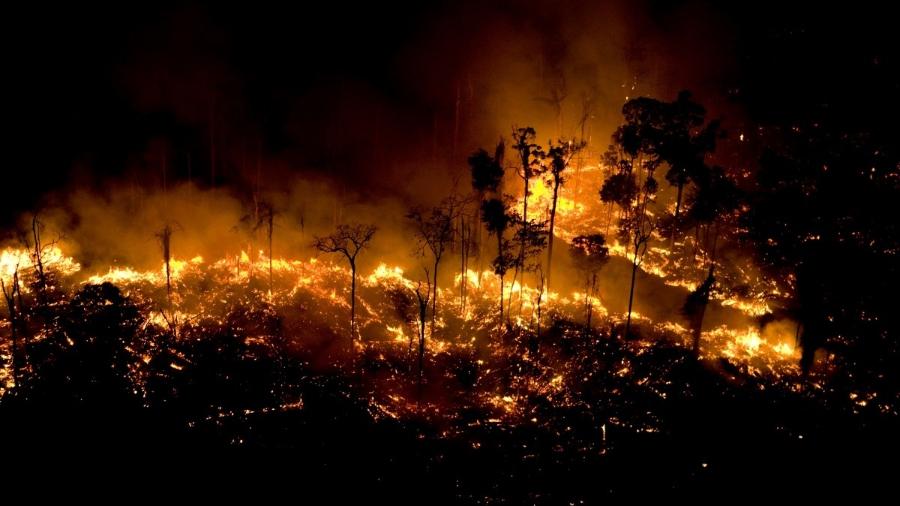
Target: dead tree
165,242
265,218
694,309
348,240
422,300
434,232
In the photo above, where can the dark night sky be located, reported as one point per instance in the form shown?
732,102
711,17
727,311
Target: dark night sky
91,87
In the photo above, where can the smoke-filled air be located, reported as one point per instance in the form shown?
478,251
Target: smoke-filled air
460,252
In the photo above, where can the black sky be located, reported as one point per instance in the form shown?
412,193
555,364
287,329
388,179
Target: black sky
350,90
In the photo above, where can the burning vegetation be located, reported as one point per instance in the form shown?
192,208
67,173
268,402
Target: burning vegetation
555,306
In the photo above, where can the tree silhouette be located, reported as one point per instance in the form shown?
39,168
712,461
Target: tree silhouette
165,242
685,143
822,196
487,180
266,220
530,159
434,231
348,240
589,254
560,155
635,157
487,171
422,305
530,238
496,217
695,307
713,206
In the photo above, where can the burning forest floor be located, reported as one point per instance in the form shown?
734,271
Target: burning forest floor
560,414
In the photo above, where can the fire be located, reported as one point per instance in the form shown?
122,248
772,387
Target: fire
771,350
399,334
579,211
13,259
383,273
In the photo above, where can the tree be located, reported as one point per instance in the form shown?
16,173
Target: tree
43,280
683,147
434,233
466,246
266,219
496,217
487,171
560,155
589,254
695,307
487,180
530,158
422,304
635,157
712,205
530,238
826,194
348,240
165,242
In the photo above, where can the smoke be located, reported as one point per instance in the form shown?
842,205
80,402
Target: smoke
220,110
395,107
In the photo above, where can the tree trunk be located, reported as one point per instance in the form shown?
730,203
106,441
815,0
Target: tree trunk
423,310
550,239
271,218
212,145
698,331
677,211
678,200
501,299
501,276
590,299
434,294
520,263
634,267
352,301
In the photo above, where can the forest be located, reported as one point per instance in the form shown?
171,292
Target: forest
557,260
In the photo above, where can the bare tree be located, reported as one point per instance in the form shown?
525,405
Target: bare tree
694,309
422,300
434,232
165,242
348,240
465,250
266,219
38,248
